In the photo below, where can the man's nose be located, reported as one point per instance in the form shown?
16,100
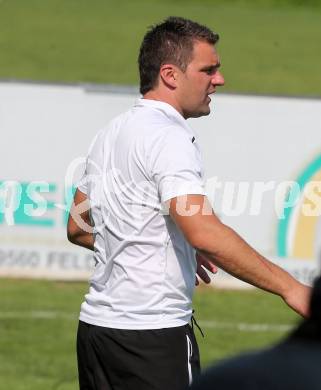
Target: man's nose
218,79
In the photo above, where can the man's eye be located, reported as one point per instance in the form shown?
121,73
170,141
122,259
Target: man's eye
210,71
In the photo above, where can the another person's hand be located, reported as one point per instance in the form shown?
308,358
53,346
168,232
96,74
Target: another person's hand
298,298
202,264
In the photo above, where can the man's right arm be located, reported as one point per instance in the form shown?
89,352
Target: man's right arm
225,248
79,229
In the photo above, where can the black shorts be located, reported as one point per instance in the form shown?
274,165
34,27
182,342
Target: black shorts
117,359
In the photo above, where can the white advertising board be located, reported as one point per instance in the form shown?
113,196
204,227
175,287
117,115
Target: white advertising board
262,159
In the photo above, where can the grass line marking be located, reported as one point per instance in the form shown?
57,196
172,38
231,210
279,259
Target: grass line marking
246,327
237,326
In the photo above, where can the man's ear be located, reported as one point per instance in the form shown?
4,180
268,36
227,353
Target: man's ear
168,74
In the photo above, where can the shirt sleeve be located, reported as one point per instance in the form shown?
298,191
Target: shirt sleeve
82,184
176,165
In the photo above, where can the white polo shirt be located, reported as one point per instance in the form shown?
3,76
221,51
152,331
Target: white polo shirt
145,269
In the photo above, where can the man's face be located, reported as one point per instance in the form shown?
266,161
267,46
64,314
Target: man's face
199,81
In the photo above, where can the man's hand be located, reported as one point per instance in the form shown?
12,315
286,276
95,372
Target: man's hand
298,299
202,263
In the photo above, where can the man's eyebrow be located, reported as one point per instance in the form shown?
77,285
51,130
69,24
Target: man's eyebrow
211,67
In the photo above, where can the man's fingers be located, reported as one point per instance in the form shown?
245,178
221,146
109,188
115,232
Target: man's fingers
203,274
206,263
210,266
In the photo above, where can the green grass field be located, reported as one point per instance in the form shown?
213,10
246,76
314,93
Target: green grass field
38,322
267,46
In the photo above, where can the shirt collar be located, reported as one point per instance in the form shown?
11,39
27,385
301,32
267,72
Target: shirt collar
169,111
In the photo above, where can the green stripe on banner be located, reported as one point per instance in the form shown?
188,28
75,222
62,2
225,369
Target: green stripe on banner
283,225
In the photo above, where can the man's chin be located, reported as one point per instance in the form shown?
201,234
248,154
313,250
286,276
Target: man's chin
204,112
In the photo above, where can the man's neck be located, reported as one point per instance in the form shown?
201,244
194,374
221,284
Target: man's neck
157,95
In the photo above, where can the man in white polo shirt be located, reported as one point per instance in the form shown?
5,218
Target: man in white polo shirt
143,194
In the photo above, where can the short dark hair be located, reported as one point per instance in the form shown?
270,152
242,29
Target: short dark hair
169,42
